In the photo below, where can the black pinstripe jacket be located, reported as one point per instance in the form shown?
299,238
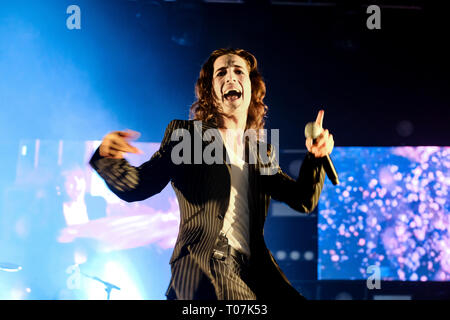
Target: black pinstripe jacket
203,194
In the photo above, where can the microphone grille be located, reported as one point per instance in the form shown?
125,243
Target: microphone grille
312,130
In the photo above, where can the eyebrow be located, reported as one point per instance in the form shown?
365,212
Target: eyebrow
235,65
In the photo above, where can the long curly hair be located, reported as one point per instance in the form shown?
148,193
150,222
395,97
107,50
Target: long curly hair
205,108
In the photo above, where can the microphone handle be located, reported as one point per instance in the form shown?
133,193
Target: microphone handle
330,170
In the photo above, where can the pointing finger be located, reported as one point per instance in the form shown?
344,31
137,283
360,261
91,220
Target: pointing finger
123,146
129,134
319,119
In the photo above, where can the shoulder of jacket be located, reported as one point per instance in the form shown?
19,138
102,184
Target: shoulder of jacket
179,124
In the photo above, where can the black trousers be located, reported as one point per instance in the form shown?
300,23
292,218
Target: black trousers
231,281
230,278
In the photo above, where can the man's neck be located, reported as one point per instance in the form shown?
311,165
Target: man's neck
233,131
235,122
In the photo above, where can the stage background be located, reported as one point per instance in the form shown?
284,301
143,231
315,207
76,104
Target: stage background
133,64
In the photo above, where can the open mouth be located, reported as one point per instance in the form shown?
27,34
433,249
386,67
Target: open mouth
232,95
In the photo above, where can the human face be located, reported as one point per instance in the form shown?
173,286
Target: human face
75,186
231,84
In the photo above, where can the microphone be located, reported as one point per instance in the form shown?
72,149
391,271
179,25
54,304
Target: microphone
313,130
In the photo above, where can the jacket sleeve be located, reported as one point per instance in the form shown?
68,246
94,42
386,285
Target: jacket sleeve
301,194
138,183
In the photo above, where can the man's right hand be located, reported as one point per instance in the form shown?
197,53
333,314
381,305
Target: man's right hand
115,144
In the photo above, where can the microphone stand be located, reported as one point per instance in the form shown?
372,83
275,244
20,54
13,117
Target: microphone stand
108,286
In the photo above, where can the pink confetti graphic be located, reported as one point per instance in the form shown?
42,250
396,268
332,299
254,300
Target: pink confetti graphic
397,200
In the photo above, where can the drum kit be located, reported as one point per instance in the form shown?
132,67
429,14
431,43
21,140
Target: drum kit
12,267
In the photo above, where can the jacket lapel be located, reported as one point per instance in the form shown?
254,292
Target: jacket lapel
207,134
254,189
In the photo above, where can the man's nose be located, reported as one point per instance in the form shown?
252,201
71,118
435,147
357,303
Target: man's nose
231,77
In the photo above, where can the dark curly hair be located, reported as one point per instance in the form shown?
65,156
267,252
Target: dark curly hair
205,109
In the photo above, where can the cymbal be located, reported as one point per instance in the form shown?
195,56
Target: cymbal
9,267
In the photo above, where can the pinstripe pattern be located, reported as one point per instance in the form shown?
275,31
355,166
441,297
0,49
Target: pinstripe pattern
118,173
230,280
189,282
203,196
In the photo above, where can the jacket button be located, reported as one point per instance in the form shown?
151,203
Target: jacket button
220,216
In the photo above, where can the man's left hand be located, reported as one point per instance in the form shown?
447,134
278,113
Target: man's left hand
324,143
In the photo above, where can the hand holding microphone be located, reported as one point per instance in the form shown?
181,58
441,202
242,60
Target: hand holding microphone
320,143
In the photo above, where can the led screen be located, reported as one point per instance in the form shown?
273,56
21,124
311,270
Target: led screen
390,210
64,227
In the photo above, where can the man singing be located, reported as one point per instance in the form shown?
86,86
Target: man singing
220,251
